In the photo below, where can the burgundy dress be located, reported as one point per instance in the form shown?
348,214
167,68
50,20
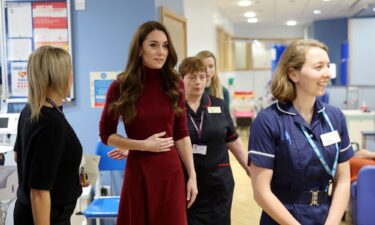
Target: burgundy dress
153,192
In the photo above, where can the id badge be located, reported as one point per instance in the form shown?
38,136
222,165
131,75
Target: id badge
214,109
199,149
330,138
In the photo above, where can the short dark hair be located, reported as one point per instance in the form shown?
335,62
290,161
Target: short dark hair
191,65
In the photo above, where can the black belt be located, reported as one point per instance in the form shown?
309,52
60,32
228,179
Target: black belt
312,198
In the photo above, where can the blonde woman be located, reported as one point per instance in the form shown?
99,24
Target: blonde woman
299,145
213,85
48,152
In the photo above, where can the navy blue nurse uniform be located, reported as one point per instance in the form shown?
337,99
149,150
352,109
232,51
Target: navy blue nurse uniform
214,175
277,142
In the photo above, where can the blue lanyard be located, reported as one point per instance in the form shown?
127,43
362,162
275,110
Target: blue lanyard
317,151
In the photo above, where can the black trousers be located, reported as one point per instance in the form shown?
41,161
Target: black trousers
60,215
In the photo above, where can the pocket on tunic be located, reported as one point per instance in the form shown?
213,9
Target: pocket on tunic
288,154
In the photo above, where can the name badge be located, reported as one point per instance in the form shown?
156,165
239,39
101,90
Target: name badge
330,138
199,149
214,109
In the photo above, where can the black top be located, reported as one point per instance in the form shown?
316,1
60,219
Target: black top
48,156
217,131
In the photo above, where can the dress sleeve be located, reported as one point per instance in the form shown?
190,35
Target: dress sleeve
345,147
108,121
261,143
46,148
232,134
180,129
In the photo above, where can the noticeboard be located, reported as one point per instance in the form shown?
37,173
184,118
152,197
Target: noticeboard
27,25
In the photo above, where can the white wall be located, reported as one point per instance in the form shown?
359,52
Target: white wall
202,19
176,6
221,20
362,51
201,33
256,31
248,80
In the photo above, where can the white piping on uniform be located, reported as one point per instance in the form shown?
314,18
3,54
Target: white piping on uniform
278,107
343,150
322,109
261,153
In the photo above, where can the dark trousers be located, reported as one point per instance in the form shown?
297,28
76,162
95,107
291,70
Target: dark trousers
60,215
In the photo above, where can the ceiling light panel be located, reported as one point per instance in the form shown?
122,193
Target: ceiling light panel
317,11
291,23
244,3
250,14
252,20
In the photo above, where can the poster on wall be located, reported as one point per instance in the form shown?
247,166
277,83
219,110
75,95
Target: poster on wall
99,84
19,79
19,19
19,49
50,24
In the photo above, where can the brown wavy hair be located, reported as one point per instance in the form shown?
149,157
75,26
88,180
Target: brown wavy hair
294,56
131,80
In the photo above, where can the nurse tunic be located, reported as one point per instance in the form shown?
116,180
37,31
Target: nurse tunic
214,175
153,192
277,142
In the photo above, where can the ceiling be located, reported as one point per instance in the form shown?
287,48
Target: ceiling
277,12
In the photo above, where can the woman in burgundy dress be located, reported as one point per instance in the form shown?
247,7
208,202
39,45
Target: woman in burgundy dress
148,96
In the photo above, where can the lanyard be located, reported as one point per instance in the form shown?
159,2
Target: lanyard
54,105
317,151
199,131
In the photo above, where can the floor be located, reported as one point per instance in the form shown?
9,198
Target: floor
245,211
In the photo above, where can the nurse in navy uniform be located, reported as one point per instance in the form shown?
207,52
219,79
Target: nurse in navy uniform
212,132
298,145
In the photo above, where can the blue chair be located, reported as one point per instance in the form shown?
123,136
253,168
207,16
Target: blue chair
104,207
363,197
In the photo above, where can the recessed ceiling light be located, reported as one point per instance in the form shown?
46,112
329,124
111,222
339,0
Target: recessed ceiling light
291,23
252,20
244,3
326,0
373,9
317,11
250,14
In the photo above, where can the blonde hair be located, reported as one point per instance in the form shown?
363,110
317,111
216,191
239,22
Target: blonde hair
283,88
215,89
191,65
47,68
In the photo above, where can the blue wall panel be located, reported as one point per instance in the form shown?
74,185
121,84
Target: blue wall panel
333,33
101,36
